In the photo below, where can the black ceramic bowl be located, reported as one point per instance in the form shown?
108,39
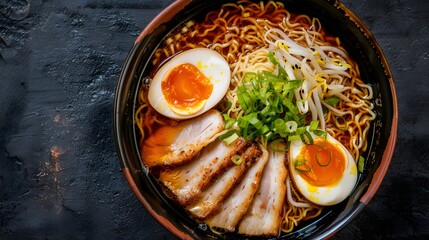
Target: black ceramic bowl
338,21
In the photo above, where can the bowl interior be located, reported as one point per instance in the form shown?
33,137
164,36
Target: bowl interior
338,21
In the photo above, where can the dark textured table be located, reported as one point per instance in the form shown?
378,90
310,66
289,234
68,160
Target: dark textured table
59,173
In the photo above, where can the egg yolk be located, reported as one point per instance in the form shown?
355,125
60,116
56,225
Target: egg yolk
186,87
325,163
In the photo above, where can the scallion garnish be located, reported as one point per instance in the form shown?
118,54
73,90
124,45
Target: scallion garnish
276,149
361,164
291,126
272,59
332,100
268,104
301,165
314,125
321,133
237,159
306,138
321,162
293,138
341,123
229,136
269,108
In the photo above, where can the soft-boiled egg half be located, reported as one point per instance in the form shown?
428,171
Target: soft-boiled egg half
190,83
324,172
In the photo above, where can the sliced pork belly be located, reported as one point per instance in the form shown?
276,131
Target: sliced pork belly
188,181
264,216
175,145
210,198
233,208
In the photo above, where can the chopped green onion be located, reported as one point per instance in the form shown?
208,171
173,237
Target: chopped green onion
264,129
343,125
272,59
291,126
225,116
274,143
279,126
293,138
319,161
313,125
301,165
229,136
269,135
255,122
301,130
321,133
361,164
292,85
268,106
231,139
237,159
248,76
306,138
332,100
230,123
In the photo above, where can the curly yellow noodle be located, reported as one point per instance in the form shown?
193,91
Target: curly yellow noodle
293,215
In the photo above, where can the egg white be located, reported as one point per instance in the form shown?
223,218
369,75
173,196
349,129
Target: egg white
209,62
326,195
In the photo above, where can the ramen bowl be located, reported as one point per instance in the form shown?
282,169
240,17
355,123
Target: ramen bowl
338,21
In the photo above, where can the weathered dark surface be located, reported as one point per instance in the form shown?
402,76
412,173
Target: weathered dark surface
59,174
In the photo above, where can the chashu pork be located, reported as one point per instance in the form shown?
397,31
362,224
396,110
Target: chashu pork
175,145
187,182
210,198
233,208
264,216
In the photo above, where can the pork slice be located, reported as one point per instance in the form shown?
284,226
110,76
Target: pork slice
264,216
175,145
233,208
210,198
187,182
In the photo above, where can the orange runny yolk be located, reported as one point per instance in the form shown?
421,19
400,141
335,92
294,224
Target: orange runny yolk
325,163
186,86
